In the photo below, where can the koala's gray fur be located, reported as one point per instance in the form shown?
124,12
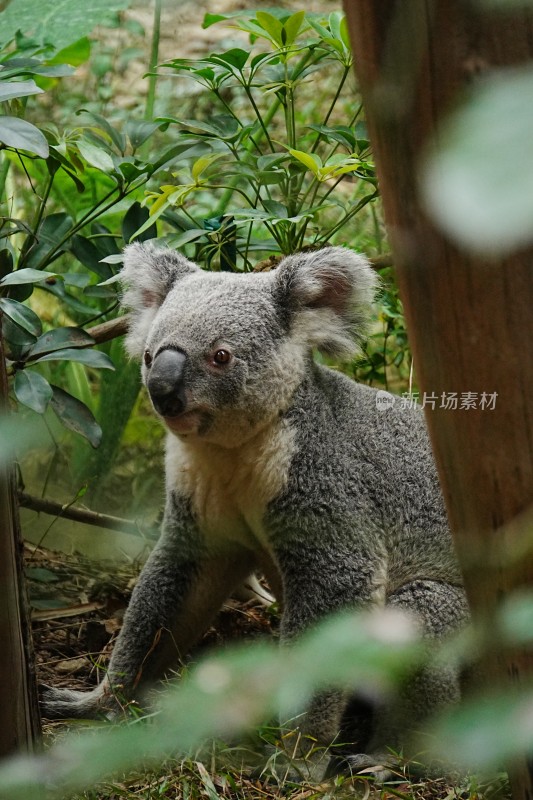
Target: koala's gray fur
276,463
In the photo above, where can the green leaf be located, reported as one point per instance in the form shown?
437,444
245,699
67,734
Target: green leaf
95,156
52,231
32,390
105,127
91,358
57,22
292,26
276,209
41,574
22,135
272,26
236,57
311,160
76,53
86,252
191,235
21,315
135,217
26,275
59,339
222,126
18,89
201,164
75,416
477,182
19,339
139,131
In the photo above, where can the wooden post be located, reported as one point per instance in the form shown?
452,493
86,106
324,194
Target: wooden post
470,320
19,715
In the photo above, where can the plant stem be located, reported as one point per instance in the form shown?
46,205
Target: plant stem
361,204
331,107
250,97
154,57
4,169
42,205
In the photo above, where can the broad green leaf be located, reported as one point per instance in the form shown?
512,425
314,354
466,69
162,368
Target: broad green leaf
192,235
338,133
87,253
201,164
212,19
136,216
59,339
104,130
272,26
22,135
57,22
26,275
276,209
6,262
21,315
478,180
18,89
41,574
139,131
76,54
236,57
32,390
91,358
292,26
75,416
95,156
51,233
18,339
311,160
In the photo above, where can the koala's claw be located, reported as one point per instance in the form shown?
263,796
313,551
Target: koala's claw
372,766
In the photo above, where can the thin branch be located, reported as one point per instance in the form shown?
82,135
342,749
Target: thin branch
111,329
84,515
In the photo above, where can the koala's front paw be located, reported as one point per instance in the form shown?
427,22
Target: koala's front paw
70,704
376,766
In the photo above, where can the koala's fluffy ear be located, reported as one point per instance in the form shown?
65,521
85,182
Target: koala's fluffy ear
327,295
147,277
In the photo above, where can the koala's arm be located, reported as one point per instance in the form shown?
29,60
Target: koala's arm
181,587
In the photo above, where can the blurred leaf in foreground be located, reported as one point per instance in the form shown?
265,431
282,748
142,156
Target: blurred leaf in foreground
224,696
478,182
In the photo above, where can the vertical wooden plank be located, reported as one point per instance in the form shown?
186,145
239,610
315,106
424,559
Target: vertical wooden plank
19,715
470,320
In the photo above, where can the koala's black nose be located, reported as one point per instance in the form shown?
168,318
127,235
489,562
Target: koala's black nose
165,383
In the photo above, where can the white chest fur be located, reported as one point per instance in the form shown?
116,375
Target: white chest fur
230,488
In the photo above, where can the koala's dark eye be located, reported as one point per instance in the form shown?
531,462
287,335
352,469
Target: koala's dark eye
148,358
222,357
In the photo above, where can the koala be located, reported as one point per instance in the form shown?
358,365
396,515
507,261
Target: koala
277,463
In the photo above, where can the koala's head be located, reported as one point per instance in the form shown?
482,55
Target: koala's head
223,353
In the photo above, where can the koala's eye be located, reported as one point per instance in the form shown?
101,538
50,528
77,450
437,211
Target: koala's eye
222,357
148,358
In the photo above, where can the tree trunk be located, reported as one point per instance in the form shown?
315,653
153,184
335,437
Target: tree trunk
470,321
19,715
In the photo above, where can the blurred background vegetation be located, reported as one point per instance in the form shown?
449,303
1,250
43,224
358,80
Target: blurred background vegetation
236,137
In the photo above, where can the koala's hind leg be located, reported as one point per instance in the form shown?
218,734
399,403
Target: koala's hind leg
440,609
179,591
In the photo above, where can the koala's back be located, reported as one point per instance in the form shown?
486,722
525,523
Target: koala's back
362,483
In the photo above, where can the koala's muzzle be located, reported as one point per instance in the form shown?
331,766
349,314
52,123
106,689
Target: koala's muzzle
165,383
